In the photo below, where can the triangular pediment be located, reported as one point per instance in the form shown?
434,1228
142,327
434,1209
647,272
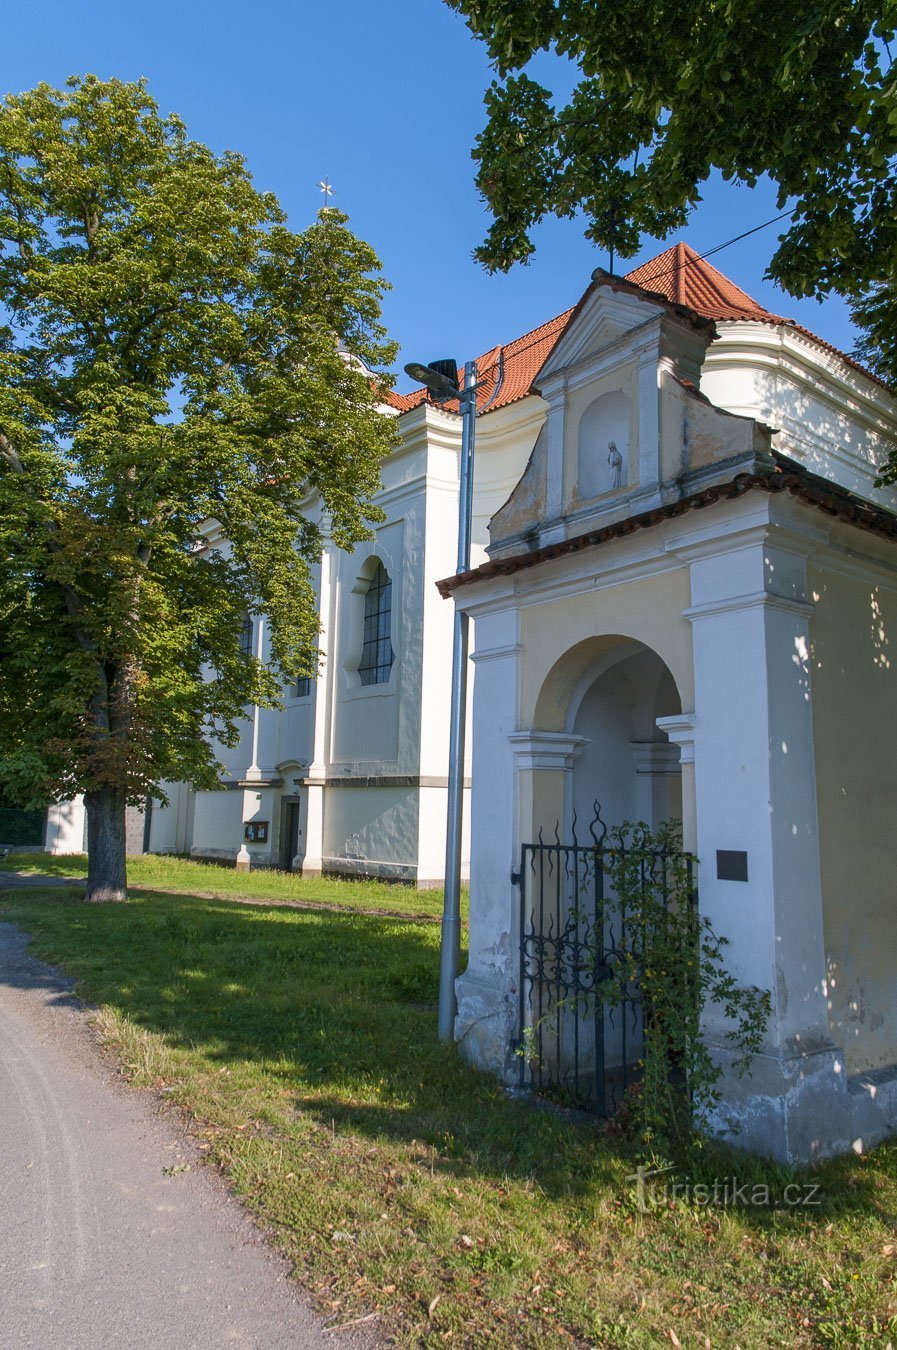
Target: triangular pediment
610,310
601,319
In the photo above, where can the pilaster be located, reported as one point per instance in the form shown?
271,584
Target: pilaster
486,1023
757,827
680,729
312,861
656,770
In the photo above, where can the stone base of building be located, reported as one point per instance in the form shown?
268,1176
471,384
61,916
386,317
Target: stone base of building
873,1106
224,857
799,1105
486,1026
365,869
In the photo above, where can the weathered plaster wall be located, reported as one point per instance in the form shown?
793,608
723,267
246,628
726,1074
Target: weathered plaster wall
648,610
66,827
217,824
365,826
854,681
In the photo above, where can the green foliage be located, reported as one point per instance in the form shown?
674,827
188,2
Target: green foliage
178,373
804,92
675,959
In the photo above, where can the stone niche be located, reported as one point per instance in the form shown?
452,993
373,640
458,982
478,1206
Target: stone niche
602,458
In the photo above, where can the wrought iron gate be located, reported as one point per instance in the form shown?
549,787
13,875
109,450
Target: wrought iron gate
574,1045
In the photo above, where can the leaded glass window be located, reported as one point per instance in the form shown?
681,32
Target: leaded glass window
377,654
246,636
302,687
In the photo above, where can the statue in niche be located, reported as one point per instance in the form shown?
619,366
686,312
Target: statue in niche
615,460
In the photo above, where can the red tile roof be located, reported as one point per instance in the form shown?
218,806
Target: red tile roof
688,279
679,274
505,373
684,276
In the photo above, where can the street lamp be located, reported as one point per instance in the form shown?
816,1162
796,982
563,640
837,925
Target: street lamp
441,379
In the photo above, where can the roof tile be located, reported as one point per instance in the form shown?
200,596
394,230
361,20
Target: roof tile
506,372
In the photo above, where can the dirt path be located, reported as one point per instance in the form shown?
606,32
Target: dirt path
112,1236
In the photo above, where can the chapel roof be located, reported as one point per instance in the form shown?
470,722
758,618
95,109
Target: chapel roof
678,274
784,476
683,276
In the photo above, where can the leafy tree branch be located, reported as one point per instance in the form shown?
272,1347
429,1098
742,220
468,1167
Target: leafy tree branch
171,355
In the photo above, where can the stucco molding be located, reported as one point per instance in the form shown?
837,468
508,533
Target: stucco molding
848,562
547,750
497,653
558,584
680,728
752,600
396,780
726,535
655,757
782,347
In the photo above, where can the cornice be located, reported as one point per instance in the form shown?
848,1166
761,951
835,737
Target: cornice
780,346
750,600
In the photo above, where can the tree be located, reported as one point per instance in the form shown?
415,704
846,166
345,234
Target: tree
170,354
804,92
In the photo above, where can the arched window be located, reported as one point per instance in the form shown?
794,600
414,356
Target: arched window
376,654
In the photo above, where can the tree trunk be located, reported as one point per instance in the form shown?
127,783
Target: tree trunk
106,877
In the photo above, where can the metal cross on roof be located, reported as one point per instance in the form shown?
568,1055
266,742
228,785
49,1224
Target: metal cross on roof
326,188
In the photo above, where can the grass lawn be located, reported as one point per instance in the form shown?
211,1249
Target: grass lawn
304,1045
185,875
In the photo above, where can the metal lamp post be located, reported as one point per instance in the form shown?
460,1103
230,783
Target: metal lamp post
441,383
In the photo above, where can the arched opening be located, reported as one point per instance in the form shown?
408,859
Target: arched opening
601,746
600,703
369,648
376,652
626,762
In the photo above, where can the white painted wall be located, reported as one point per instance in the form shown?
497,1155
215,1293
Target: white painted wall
829,416
854,675
217,824
171,826
66,827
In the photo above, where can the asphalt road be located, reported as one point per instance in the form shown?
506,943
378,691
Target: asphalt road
103,1246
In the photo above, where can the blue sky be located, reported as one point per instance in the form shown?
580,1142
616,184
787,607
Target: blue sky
386,100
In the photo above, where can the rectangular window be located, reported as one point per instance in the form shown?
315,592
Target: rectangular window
246,636
302,687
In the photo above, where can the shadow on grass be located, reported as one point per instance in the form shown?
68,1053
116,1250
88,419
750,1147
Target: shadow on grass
45,864
336,1013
